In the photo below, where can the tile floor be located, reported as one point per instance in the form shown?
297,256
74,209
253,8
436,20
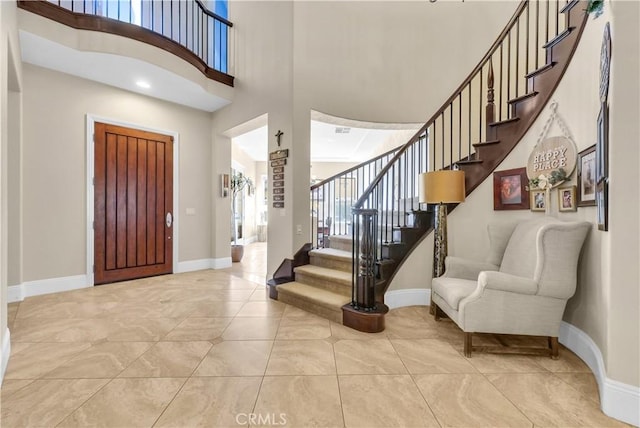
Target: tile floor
210,349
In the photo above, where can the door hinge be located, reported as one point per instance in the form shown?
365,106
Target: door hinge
93,225
94,268
93,181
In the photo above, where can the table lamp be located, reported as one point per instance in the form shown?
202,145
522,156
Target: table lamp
441,188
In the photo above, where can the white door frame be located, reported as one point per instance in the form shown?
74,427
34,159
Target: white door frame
91,120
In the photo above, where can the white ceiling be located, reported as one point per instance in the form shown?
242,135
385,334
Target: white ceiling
119,71
329,142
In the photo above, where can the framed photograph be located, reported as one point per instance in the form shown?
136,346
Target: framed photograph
538,200
586,192
510,189
602,201
567,198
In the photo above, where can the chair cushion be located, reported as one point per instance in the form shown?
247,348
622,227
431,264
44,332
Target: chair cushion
452,290
520,256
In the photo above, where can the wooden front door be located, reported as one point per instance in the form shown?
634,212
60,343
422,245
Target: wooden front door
133,205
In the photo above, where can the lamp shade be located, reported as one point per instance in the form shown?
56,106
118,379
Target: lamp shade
442,187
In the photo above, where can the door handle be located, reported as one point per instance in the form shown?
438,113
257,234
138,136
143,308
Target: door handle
169,219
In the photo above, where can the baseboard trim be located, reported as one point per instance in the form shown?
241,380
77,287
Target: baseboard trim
221,263
409,297
6,353
202,264
193,265
17,293
618,400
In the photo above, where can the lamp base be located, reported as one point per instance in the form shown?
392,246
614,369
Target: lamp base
439,240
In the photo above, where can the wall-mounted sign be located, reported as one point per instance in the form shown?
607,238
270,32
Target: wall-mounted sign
278,198
279,154
279,162
554,158
278,183
278,176
278,170
278,191
278,205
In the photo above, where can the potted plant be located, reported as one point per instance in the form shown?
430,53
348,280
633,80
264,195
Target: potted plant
239,183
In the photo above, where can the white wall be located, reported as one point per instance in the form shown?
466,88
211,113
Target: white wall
54,167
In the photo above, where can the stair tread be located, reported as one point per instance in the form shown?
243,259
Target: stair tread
569,6
500,122
325,273
341,237
557,39
486,143
540,69
319,296
331,253
469,162
522,97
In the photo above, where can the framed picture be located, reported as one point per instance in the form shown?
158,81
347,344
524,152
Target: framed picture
602,201
510,189
538,200
602,144
586,192
567,198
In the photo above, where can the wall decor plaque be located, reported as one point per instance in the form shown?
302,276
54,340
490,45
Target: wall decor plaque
279,162
279,154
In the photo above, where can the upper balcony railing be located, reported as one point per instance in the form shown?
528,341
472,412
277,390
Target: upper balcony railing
185,28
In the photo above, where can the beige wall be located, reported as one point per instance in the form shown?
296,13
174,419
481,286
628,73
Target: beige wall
324,170
606,302
623,344
263,71
10,114
347,59
55,107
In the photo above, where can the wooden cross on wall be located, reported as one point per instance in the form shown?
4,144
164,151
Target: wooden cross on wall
278,136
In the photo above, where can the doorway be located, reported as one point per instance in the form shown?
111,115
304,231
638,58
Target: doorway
133,203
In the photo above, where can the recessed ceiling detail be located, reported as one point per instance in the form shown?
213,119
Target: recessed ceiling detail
119,71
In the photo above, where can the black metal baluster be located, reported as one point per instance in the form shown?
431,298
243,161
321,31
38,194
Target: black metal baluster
517,76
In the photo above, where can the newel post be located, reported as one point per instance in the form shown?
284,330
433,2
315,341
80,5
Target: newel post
364,313
364,295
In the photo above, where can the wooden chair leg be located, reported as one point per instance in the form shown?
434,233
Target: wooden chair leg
436,314
553,347
467,344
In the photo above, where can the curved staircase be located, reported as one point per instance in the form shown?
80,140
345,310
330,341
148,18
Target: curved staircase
474,130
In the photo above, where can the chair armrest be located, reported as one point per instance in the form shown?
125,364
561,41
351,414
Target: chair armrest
456,267
507,282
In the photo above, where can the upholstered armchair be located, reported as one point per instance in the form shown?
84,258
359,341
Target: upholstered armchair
523,286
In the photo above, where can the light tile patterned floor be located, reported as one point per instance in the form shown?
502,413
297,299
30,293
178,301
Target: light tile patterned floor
210,349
